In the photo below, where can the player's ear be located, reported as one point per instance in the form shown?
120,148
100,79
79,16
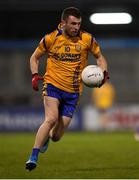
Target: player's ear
63,22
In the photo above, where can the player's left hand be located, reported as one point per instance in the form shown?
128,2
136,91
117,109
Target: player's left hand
106,76
35,81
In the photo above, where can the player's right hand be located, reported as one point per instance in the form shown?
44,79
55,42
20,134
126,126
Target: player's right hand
35,81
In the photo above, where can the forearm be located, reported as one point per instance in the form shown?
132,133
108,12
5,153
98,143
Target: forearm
34,64
102,63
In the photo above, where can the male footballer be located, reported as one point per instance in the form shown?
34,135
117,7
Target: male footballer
67,48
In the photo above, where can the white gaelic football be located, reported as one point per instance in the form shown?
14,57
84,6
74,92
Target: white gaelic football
92,76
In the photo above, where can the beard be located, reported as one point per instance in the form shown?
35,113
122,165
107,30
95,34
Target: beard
71,34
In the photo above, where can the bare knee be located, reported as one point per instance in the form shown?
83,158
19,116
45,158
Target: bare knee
51,121
55,138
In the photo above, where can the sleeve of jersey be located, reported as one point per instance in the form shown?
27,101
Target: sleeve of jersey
44,44
95,48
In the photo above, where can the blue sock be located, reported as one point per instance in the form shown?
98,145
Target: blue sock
35,152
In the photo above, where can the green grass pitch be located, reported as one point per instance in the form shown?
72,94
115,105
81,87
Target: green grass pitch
79,155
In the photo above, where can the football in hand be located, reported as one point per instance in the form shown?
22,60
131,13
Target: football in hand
92,76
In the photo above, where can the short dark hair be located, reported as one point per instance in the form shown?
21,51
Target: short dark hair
70,11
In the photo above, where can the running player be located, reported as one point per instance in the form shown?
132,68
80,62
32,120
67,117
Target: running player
67,48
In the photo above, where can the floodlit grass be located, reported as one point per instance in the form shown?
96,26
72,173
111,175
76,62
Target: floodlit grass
77,155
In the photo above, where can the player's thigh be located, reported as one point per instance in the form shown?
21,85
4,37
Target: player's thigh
58,130
65,121
51,105
61,125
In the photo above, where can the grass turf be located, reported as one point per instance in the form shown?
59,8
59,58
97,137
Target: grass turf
78,155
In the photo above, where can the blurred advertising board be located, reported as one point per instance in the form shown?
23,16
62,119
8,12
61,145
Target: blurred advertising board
116,118
29,119
86,118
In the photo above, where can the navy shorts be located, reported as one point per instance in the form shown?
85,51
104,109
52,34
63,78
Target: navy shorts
68,101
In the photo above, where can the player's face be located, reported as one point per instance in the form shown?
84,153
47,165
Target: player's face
72,26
